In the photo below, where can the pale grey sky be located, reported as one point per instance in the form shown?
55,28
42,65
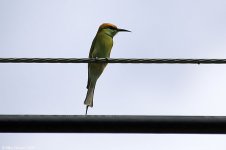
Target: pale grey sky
160,29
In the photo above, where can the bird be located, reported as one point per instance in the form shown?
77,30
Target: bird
100,48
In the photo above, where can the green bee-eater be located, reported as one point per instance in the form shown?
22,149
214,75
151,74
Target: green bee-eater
101,48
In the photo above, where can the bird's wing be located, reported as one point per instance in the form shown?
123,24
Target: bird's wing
92,48
90,56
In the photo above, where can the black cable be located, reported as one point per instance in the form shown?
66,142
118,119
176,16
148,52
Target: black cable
113,60
112,124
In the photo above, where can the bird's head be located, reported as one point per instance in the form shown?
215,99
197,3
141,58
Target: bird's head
111,29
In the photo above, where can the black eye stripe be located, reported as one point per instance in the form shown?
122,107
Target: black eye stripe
113,28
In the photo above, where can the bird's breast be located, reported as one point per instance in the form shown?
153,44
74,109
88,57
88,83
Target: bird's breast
103,46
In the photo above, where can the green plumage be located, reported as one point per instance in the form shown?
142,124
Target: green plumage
100,48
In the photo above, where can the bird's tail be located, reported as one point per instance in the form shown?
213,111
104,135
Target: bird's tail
89,96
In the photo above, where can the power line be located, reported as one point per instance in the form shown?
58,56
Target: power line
112,124
113,60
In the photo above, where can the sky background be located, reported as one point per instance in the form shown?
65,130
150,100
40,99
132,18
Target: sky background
160,29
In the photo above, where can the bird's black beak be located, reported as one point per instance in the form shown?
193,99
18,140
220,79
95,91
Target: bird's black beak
123,30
